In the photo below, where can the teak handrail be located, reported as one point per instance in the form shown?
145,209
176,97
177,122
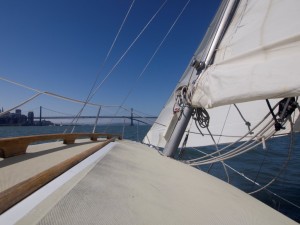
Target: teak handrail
18,145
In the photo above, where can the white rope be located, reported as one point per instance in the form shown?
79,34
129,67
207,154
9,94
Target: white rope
252,181
241,138
54,94
89,97
235,152
127,50
23,103
154,54
119,31
243,144
124,54
265,132
283,168
223,164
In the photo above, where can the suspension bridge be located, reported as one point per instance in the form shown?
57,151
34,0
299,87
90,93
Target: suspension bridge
130,117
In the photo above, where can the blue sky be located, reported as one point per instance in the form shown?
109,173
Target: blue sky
59,45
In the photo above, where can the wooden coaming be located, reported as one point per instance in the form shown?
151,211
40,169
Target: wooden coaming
17,145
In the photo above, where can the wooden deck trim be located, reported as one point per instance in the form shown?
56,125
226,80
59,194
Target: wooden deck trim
18,192
18,145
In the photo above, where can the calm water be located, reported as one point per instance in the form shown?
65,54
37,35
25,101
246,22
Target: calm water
260,165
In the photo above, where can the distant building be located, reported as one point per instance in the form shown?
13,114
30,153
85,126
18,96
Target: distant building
17,119
30,118
18,112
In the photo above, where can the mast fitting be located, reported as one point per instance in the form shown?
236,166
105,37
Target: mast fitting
198,65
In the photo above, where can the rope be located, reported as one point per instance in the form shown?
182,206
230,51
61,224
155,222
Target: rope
89,97
284,166
235,152
247,123
125,53
241,138
130,46
155,52
252,181
137,131
216,145
224,123
201,117
22,103
51,110
260,167
54,94
239,150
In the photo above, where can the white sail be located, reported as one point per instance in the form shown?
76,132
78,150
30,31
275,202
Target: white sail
258,58
229,123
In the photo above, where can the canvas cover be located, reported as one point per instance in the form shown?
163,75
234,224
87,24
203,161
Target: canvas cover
258,58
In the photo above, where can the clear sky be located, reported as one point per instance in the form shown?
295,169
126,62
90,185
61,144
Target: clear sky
59,46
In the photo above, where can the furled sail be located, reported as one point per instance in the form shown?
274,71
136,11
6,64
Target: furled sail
258,57
268,55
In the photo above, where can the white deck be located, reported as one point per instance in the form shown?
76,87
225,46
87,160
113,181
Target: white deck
134,184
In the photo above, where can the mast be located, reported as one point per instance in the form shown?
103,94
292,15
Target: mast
225,13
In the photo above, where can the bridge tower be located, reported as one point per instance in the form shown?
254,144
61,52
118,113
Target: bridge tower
131,117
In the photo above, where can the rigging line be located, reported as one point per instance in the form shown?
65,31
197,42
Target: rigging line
224,123
252,181
232,154
248,124
155,52
22,103
19,84
104,62
57,112
261,165
144,114
110,122
119,31
237,149
127,50
231,168
241,138
216,145
284,166
54,94
137,132
211,165
124,54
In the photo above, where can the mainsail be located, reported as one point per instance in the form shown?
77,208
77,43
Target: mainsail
240,76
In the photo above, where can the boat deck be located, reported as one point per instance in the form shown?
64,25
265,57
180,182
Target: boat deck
133,184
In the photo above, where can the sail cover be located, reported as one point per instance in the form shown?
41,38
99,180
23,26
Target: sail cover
258,57
255,52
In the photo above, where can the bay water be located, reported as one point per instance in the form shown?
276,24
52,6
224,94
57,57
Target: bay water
260,165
